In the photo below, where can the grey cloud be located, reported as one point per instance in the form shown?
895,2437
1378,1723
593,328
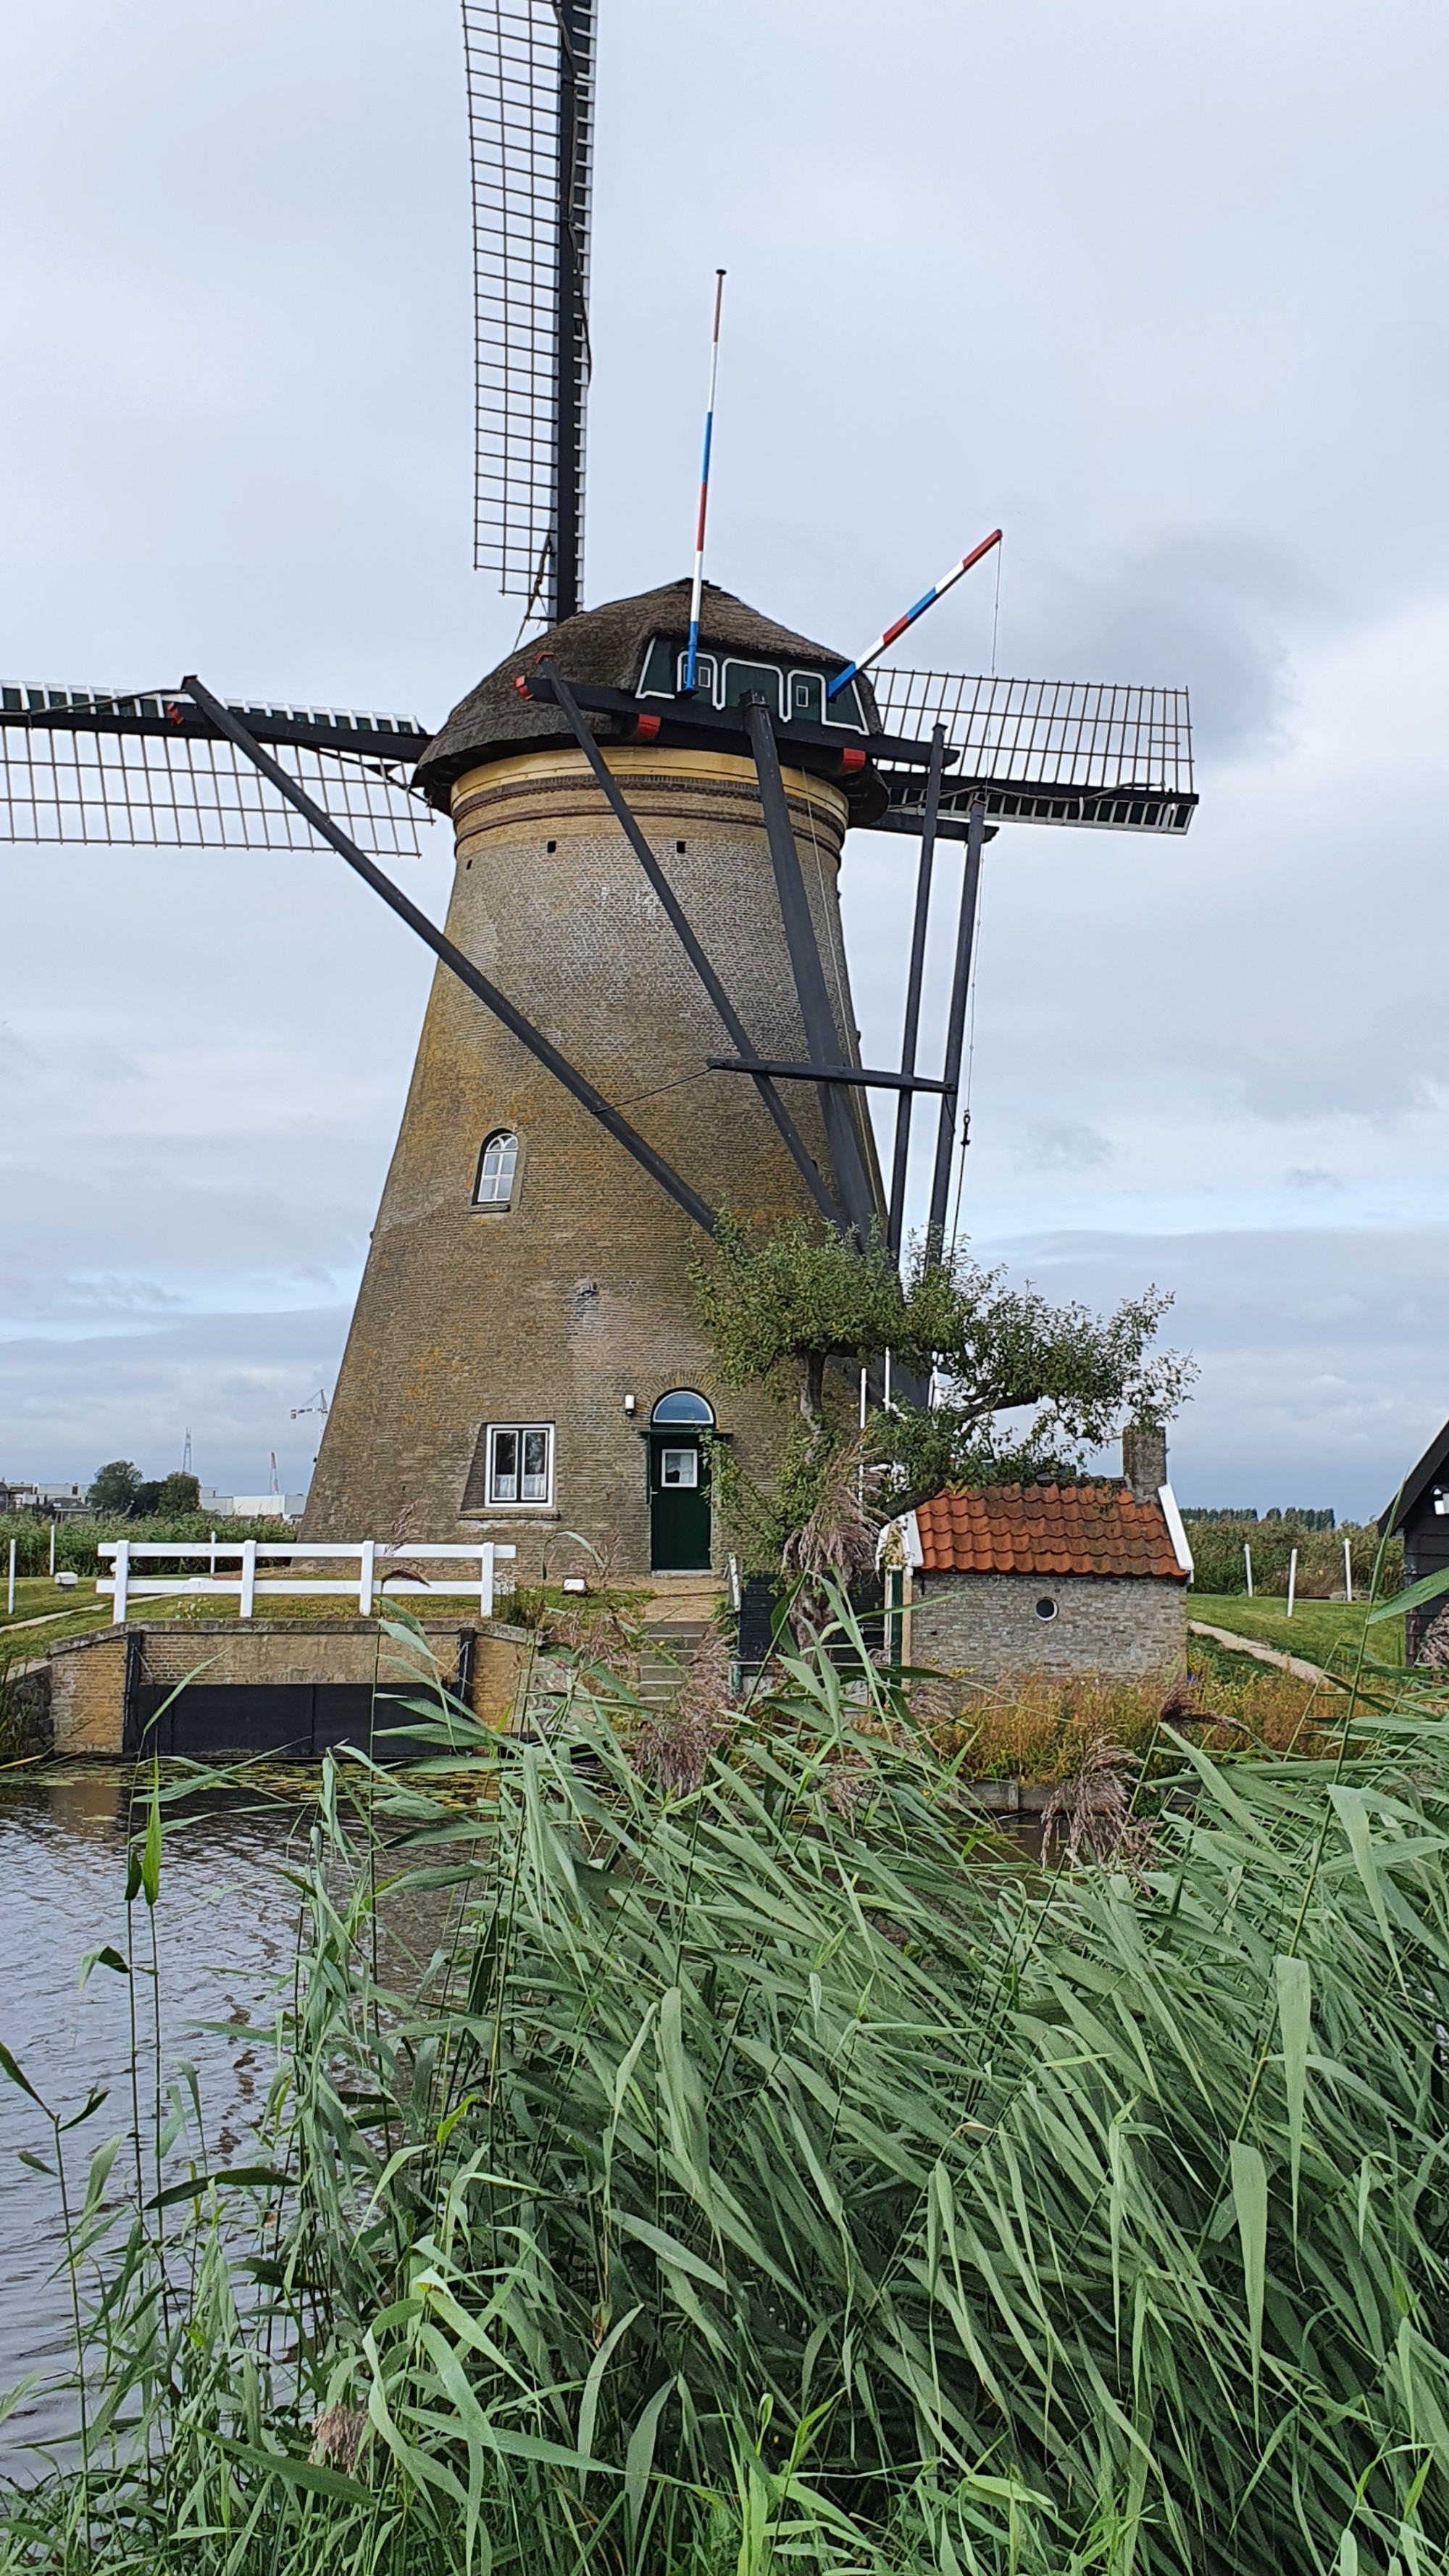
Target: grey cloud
1134,360
1063,1145
1211,608
231,1379
1322,1352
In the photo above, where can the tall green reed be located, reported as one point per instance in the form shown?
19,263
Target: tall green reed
767,2168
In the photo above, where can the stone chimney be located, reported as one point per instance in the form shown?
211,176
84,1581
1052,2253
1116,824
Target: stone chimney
1144,1459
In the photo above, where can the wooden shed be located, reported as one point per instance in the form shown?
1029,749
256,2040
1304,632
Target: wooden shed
1420,1514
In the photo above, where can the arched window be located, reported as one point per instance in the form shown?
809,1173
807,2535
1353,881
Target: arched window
683,1405
497,1165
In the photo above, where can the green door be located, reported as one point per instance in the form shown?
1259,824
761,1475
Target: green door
679,1532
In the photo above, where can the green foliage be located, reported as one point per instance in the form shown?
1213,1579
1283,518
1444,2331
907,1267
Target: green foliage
759,2172
114,1488
77,1541
1217,1551
999,1351
780,1307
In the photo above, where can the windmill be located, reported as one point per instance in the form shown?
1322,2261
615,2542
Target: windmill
649,815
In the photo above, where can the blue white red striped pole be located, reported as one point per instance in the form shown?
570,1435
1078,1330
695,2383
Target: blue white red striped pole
909,619
692,657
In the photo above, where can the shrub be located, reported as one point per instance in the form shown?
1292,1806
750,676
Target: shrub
76,1541
1217,1550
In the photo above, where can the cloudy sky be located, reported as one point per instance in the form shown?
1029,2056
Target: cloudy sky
1160,290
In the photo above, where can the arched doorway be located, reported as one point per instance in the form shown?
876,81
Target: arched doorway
679,1510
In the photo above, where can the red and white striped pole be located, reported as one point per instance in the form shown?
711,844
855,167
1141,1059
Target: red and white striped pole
936,592
692,657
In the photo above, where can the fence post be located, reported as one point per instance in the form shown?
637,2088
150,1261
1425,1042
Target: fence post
1248,1564
366,1578
10,1587
52,1551
211,1565
123,1577
485,1581
1347,1571
1292,1579
247,1609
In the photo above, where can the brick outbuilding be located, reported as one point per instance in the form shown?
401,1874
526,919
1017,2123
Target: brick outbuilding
1056,1579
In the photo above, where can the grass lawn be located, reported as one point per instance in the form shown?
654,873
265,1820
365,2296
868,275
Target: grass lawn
1323,1632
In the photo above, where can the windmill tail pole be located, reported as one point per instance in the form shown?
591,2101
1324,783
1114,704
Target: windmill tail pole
928,600
697,586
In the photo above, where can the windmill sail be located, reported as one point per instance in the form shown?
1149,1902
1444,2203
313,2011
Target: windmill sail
86,765
1096,753
531,125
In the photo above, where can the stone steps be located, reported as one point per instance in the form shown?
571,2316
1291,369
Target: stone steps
665,1660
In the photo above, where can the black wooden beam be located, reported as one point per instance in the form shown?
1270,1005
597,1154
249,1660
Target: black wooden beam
680,923
955,1033
164,715
895,1220
821,1036
690,714
855,1077
568,371
574,1082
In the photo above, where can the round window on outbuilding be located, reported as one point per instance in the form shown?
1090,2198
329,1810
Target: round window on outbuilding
1046,1608
682,1405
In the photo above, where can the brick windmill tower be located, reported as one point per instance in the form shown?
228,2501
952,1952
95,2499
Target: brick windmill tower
523,1358
642,1016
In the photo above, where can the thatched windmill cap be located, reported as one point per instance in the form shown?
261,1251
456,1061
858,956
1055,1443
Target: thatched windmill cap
604,648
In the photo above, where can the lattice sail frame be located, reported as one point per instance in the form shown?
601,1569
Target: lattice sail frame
1111,756
189,791
528,208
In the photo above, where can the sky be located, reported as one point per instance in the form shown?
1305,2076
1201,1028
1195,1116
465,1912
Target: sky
1161,291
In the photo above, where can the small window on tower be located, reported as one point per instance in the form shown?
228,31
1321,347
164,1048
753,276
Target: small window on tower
520,1462
497,1170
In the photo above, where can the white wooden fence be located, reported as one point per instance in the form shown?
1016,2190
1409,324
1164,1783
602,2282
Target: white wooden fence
376,1572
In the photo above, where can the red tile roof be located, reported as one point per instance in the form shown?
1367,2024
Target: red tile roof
1046,1529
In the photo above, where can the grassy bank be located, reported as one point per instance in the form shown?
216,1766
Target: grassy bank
760,2173
1322,1632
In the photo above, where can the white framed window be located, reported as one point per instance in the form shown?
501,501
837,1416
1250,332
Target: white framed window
679,1467
497,1169
703,674
520,1462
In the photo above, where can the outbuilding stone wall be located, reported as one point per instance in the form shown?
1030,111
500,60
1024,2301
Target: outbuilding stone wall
987,1625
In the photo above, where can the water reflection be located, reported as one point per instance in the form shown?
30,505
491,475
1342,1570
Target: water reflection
225,1928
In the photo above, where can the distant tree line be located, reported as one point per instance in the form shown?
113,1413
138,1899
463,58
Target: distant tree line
1292,1514
121,1490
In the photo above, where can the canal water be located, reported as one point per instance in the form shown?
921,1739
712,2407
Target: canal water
226,1924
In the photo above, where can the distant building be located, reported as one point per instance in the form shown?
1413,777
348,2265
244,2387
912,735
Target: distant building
252,1507
1420,1515
58,1502
1062,1580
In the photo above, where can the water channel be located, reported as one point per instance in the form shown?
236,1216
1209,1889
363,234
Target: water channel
226,1924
